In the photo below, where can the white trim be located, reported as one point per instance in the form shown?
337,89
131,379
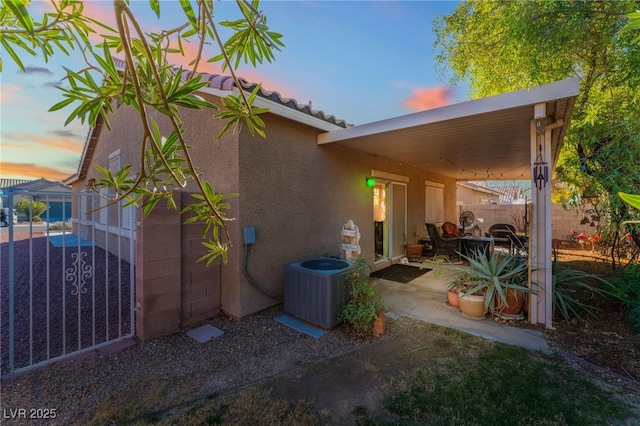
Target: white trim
114,154
389,182
434,184
554,91
389,176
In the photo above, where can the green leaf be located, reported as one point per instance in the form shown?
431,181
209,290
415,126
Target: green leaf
61,104
155,6
632,200
19,10
13,55
189,13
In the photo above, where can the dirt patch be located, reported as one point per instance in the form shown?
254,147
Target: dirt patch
358,381
606,341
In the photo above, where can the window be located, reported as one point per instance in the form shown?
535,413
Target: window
434,202
125,213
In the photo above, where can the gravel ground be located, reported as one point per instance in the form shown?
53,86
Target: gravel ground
74,311
159,374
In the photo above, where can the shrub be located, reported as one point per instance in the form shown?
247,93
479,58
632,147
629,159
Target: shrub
36,208
566,283
633,317
364,302
60,225
625,285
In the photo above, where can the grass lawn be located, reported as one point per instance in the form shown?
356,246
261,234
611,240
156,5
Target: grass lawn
502,386
488,384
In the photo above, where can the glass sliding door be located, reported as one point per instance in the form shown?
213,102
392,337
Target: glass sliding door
381,220
389,220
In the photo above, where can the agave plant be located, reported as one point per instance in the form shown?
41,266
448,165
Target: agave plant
566,283
495,274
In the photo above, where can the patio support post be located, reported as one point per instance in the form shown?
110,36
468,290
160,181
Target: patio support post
541,307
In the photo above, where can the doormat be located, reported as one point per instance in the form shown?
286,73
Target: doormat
400,273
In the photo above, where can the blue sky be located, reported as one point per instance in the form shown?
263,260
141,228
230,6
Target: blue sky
361,61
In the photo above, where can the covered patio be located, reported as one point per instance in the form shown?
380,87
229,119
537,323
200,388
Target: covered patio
513,136
424,299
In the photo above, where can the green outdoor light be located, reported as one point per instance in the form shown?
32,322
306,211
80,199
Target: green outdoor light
370,182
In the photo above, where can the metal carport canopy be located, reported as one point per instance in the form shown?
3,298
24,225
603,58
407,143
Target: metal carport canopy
482,139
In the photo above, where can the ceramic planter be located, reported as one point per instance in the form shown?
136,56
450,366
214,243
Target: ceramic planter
472,306
513,305
414,251
452,298
378,325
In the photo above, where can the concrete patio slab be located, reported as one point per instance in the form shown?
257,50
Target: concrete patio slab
423,299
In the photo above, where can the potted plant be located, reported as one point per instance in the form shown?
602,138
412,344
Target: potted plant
413,251
459,283
364,304
501,279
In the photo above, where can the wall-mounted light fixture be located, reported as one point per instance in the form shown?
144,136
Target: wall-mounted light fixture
370,182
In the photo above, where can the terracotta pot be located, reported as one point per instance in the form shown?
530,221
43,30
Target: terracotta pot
452,298
472,306
378,325
513,305
413,251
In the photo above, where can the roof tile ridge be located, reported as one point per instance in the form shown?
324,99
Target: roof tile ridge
227,83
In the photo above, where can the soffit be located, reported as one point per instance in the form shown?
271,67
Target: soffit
487,138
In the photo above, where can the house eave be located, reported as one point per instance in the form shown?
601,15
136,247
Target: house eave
279,110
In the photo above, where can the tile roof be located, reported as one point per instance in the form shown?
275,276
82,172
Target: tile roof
7,183
41,184
479,186
226,83
218,82
509,194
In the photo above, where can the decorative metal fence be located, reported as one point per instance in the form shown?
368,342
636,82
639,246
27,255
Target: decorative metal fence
65,287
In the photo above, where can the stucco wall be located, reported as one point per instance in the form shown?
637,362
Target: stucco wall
470,196
297,194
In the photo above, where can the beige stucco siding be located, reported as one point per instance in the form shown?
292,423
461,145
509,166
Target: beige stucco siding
296,193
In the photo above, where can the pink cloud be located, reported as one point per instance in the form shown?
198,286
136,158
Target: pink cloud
32,171
428,98
39,142
103,12
10,92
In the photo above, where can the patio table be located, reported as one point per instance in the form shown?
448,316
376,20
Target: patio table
469,245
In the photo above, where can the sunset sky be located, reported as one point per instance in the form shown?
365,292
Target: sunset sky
361,61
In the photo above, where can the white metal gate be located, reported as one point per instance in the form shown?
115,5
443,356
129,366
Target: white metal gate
66,282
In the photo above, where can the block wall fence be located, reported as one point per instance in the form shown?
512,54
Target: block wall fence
562,221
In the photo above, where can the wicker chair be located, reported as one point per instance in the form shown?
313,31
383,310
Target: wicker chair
441,245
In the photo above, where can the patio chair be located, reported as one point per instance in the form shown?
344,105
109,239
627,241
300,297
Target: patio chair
450,229
442,245
500,233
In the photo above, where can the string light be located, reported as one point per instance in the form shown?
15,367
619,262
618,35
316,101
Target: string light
488,174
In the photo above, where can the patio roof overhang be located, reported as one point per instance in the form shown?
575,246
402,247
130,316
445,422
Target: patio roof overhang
483,139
